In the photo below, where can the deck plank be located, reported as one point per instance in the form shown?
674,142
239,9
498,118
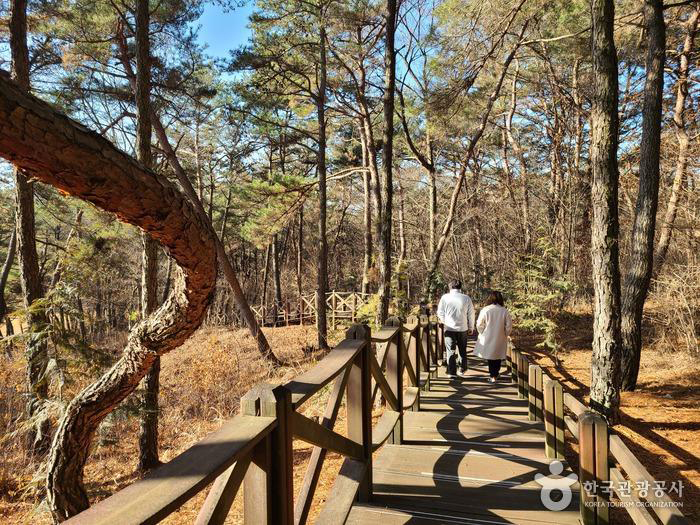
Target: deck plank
469,456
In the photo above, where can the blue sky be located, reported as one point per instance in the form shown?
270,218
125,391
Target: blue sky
223,31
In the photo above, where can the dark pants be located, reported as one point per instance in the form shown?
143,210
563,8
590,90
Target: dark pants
494,367
455,342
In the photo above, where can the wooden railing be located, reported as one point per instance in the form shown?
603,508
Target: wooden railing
606,464
254,449
342,307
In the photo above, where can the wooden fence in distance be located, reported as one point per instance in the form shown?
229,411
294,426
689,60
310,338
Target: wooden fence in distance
254,449
341,307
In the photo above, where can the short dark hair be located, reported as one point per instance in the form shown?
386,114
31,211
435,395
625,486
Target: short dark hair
455,284
494,297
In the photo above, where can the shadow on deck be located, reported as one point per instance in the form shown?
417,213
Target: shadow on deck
469,455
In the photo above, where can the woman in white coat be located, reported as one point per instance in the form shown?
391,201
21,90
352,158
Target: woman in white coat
494,325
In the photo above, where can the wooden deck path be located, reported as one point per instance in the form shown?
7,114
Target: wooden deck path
469,456
460,451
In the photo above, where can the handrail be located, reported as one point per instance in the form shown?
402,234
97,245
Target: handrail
636,472
310,382
384,334
596,447
254,450
166,488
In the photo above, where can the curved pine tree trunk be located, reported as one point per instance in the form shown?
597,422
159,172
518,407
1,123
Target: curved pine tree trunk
58,151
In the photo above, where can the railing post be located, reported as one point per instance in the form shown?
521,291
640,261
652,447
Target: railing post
514,365
594,470
438,348
394,375
424,327
359,405
334,305
532,393
414,349
536,394
508,358
524,366
554,419
432,328
317,302
267,489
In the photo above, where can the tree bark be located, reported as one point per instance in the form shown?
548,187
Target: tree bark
605,381
36,348
683,141
148,425
520,155
644,228
367,215
5,273
403,245
52,148
387,163
322,270
276,277
300,251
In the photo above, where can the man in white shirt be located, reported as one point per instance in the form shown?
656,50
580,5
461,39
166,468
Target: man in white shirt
456,312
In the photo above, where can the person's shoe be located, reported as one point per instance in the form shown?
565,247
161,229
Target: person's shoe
492,379
462,373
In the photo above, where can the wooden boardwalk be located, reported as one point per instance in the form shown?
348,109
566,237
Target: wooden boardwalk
469,456
460,451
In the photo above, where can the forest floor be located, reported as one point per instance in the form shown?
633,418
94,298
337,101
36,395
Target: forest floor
201,385
660,421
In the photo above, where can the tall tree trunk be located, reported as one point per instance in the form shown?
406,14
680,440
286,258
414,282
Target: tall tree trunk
148,428
228,271
224,219
300,251
432,207
322,271
605,365
5,273
367,215
479,237
58,269
266,268
387,163
54,149
520,154
36,348
642,257
403,247
276,277
681,137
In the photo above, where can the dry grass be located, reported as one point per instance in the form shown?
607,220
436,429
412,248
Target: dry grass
660,421
201,385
